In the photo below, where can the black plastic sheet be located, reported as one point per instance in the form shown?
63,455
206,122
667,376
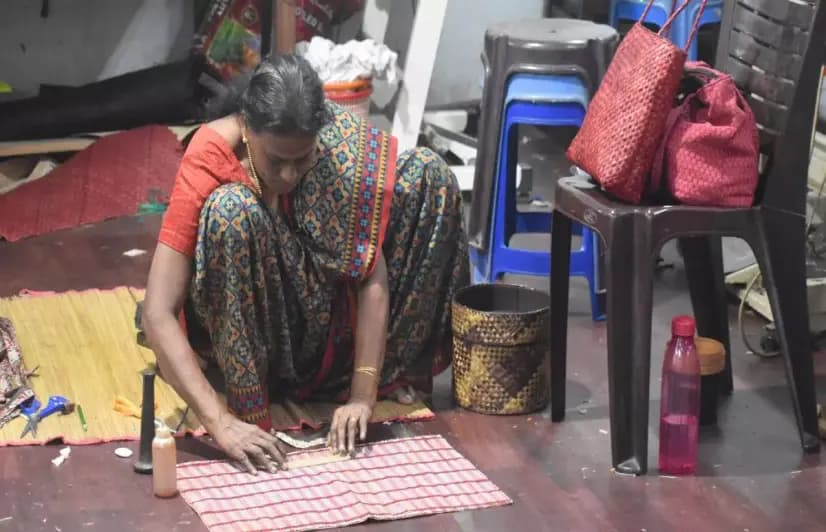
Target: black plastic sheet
167,93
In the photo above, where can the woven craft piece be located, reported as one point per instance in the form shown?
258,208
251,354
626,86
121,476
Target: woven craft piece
625,121
710,150
500,359
389,480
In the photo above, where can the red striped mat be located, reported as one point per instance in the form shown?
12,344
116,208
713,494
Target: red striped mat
389,480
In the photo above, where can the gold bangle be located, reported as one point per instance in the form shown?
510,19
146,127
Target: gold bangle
367,370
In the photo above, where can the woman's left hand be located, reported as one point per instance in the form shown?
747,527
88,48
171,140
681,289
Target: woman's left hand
348,421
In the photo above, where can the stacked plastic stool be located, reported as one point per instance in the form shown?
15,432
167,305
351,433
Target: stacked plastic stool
542,73
632,10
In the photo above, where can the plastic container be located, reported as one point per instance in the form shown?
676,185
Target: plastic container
680,403
164,461
354,96
712,355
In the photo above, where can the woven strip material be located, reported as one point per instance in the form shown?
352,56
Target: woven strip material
625,121
84,344
390,480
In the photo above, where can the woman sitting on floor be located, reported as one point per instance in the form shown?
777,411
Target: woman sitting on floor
319,264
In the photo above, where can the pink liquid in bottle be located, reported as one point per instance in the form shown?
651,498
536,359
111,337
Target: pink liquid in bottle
680,407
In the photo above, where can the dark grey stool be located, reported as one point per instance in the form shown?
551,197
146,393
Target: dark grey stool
534,46
596,10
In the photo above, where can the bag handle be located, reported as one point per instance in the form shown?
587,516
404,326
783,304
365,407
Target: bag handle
674,14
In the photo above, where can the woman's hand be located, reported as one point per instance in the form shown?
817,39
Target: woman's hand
248,445
349,420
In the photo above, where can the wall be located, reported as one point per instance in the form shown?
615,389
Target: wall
458,68
86,40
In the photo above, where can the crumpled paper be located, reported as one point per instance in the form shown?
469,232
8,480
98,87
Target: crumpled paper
350,61
14,378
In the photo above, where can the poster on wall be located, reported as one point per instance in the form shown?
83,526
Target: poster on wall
229,37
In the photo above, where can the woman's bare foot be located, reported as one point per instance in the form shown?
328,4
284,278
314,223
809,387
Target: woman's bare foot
406,395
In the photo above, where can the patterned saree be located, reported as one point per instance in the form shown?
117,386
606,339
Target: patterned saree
276,289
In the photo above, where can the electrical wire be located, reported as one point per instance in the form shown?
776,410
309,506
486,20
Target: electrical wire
812,215
758,276
746,342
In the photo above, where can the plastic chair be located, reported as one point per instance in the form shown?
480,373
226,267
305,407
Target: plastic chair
631,11
530,46
535,100
780,76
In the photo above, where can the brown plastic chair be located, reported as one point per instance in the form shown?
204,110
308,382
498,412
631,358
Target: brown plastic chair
782,90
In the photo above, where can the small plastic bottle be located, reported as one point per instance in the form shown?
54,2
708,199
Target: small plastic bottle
164,461
680,406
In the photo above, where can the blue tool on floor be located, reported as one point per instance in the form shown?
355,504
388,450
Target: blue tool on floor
55,404
29,411
535,100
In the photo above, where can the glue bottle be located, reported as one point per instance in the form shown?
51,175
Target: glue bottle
164,461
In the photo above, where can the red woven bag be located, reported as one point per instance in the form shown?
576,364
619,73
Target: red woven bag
623,127
711,147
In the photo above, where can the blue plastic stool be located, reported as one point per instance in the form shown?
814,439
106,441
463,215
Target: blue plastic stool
631,11
539,101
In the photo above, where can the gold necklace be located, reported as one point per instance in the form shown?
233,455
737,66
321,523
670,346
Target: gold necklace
256,183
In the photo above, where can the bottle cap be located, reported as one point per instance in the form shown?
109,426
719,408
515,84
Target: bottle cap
162,431
682,326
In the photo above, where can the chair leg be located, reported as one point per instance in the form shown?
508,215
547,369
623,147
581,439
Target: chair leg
703,257
479,264
630,275
560,283
782,255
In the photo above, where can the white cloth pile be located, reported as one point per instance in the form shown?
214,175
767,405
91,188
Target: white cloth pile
350,61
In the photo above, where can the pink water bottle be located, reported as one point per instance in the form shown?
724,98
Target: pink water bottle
680,407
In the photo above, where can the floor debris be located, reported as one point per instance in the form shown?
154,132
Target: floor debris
123,452
62,456
134,253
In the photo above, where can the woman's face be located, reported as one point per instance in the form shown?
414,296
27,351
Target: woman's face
282,160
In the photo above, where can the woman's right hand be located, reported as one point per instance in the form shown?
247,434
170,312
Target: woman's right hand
247,444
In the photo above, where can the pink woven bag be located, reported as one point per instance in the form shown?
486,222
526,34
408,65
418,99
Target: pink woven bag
622,129
710,151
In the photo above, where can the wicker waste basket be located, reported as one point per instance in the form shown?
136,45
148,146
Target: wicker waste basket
500,349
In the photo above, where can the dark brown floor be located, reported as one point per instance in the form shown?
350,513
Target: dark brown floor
753,475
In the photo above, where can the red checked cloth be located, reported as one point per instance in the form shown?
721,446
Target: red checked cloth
389,480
